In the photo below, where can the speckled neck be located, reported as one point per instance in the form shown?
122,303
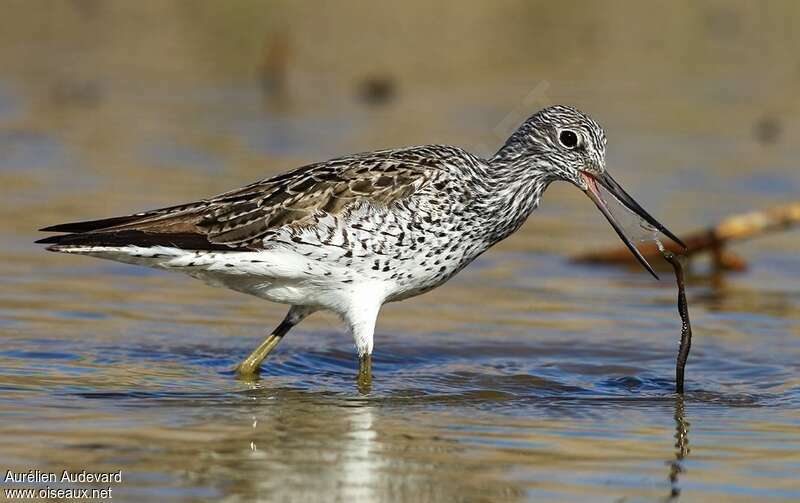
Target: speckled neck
513,186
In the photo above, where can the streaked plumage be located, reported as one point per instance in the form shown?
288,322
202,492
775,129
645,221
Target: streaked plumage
355,232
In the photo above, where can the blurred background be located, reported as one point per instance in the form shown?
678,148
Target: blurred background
526,377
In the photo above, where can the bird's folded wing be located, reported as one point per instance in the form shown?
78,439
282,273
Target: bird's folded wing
244,218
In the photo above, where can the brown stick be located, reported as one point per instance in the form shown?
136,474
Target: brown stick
737,227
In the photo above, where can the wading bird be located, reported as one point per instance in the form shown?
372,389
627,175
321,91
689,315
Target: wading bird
350,234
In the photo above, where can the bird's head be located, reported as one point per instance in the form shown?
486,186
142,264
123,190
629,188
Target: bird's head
563,143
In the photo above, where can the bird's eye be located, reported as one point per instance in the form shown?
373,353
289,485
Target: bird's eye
568,138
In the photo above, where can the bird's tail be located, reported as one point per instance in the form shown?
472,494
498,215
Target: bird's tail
174,227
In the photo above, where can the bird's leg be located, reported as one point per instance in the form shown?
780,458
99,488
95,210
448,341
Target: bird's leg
364,380
250,366
361,317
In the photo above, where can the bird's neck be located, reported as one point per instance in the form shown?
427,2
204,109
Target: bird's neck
515,186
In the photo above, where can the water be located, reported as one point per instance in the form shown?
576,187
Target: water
527,377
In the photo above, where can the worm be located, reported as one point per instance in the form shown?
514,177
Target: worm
686,326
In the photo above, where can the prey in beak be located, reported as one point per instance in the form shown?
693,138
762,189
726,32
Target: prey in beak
626,200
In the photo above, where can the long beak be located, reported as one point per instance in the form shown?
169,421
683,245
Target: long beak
623,197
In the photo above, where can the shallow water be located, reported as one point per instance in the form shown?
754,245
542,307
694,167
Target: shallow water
526,377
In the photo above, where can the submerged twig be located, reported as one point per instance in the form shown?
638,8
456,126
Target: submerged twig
686,326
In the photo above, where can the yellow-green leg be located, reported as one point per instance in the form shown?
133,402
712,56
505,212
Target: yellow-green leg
364,380
251,365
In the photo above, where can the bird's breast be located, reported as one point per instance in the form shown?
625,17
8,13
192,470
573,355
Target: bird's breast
410,248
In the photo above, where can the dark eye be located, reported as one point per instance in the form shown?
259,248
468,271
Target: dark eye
568,138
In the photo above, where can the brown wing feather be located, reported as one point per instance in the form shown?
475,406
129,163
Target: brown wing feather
244,217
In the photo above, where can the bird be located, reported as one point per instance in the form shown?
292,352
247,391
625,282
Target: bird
353,233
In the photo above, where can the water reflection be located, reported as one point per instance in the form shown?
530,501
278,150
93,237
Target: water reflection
362,462
681,447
